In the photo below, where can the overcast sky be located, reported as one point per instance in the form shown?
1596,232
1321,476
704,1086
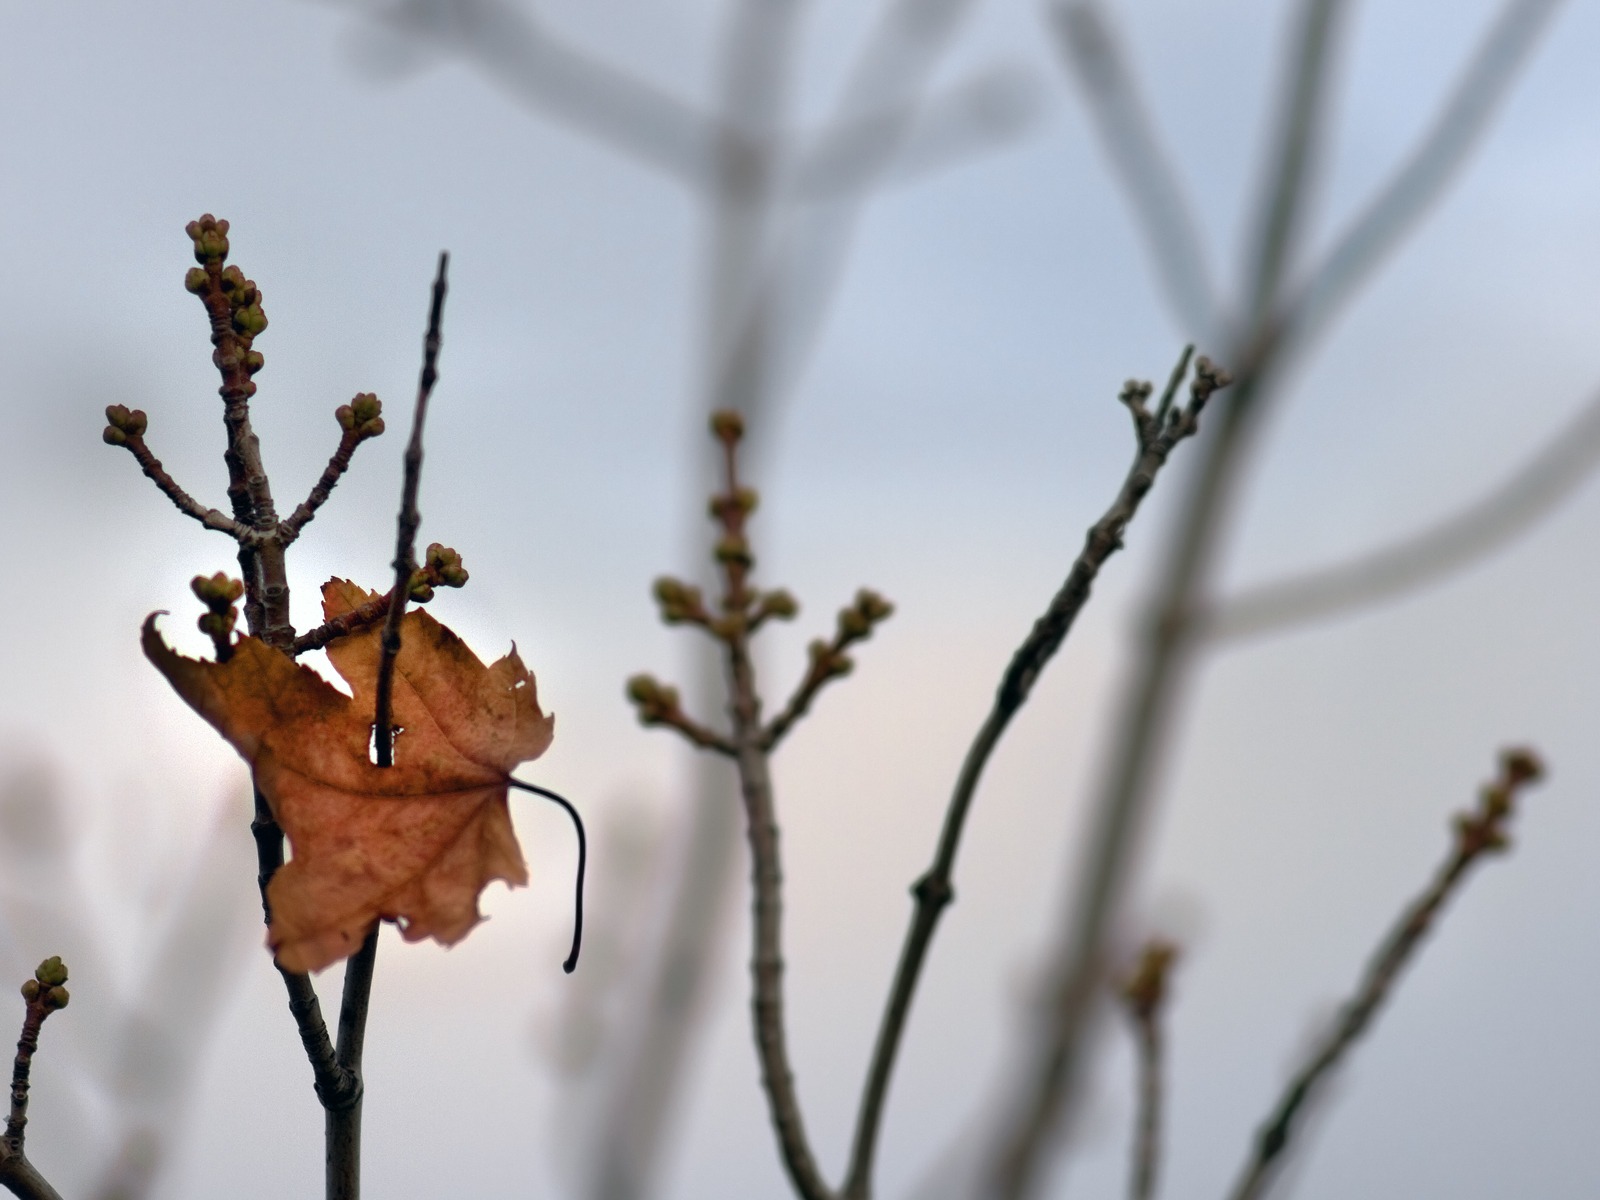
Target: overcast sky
953,435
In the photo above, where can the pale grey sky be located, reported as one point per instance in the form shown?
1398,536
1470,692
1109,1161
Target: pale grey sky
953,436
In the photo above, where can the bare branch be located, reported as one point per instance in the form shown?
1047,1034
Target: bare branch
1477,834
540,70
1475,531
1287,178
126,428
657,704
1091,48
359,420
1432,164
1157,436
829,661
915,138
761,827
405,551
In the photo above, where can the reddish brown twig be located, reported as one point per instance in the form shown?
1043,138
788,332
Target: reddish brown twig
660,705
360,419
1478,833
43,995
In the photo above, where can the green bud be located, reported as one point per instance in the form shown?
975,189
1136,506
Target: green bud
746,499
734,550
420,589
113,436
853,623
57,997
30,990
254,361
366,406
779,604
644,690
51,971
195,280
873,606
210,237
727,425
250,320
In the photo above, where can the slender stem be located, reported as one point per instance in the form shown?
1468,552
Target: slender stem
1477,834
1144,996
360,617
1147,1130
405,553
334,1086
934,891
338,464
16,1172
1142,725
211,518
342,1122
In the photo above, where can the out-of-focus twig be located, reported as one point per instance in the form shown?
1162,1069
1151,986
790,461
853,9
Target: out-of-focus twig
1143,996
1477,834
1432,163
1271,330
1471,533
1154,191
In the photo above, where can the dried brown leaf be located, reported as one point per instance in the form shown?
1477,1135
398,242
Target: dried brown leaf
416,842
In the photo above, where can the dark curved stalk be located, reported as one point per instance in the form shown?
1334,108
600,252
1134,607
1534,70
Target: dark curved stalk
583,861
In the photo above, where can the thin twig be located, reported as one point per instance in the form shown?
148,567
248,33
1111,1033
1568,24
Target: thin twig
405,551
338,464
761,827
343,1124
211,518
1144,996
1477,834
43,995
1472,533
828,661
934,891
1432,163
1154,191
360,617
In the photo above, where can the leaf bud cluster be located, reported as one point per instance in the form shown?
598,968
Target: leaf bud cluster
363,416
123,423
441,568
656,703
868,609
727,426
45,986
210,237
779,604
680,603
218,593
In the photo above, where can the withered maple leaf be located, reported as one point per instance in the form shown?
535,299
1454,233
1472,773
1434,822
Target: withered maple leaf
416,842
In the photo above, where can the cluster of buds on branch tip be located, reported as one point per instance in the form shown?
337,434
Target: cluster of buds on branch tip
45,988
441,568
123,423
218,593
362,417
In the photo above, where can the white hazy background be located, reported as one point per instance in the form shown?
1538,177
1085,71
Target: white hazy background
954,435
